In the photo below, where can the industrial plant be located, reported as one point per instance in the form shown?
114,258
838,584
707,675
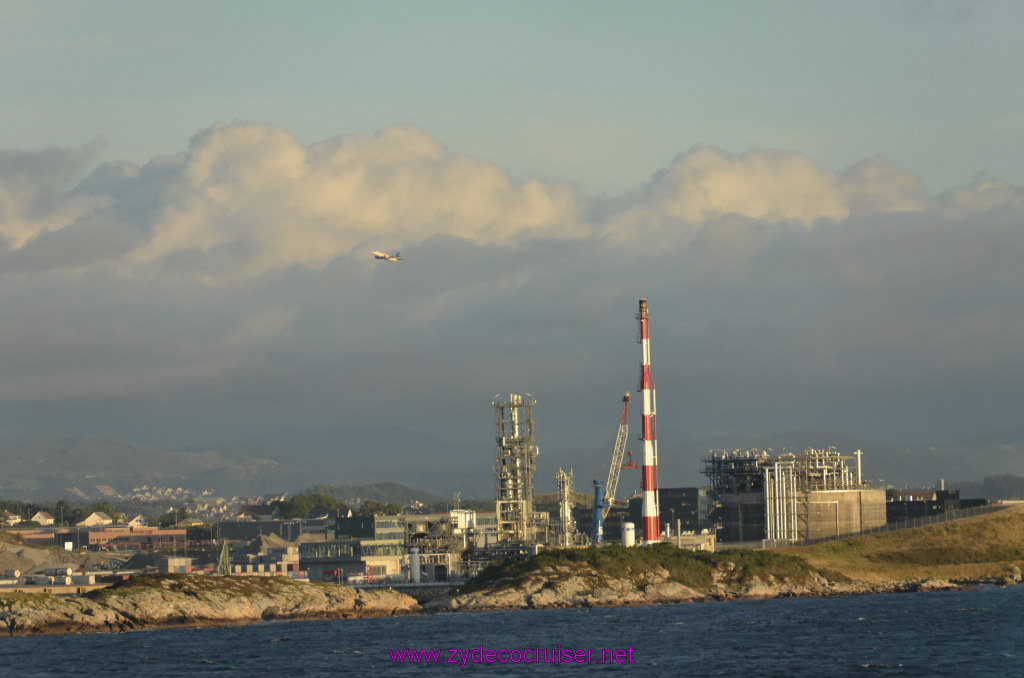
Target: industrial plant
790,497
755,499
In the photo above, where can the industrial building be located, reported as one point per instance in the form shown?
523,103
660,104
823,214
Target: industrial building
789,497
119,538
902,505
682,509
353,560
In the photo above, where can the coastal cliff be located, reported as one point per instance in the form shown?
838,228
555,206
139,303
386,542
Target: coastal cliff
194,600
557,586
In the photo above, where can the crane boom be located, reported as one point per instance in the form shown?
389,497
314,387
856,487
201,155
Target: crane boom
617,454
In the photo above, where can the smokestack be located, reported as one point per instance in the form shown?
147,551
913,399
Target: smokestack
651,528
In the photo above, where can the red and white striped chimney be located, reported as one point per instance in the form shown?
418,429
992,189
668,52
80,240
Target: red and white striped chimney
651,526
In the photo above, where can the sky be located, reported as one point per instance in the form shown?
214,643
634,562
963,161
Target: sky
822,202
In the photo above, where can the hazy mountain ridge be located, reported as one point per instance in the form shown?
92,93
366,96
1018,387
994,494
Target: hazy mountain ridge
360,457
49,470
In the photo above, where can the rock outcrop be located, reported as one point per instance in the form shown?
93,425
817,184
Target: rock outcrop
585,586
194,600
580,586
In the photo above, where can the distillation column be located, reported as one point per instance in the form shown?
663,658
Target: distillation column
566,500
649,434
517,454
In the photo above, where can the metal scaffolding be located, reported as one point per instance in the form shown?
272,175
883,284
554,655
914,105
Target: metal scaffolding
785,481
513,474
780,499
566,524
736,471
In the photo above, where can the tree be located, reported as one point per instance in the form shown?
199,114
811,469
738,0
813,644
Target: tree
199,532
172,517
371,508
302,504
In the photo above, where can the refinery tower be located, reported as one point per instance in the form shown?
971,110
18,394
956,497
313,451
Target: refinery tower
513,474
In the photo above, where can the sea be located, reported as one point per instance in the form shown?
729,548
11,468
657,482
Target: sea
979,632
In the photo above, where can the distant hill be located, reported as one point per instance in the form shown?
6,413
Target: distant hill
1002,486
367,455
383,493
77,468
80,468
362,457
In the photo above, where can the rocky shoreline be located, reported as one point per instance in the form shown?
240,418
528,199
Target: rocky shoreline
584,586
193,600
200,600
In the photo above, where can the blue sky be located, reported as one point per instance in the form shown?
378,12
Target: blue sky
821,200
597,93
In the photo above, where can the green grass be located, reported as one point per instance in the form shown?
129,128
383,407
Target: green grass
979,547
690,568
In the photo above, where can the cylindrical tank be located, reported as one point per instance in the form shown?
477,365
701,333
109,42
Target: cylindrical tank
414,565
628,534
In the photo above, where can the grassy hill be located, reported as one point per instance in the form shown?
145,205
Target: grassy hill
989,547
972,548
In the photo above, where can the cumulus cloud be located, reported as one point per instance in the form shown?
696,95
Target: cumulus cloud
249,198
32,192
706,183
245,199
238,271
984,193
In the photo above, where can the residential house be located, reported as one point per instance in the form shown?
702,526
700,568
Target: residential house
96,519
43,518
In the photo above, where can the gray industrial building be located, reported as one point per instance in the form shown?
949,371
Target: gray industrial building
683,509
790,497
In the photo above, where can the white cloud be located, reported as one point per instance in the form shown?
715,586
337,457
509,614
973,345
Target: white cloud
706,183
32,187
876,186
252,198
239,269
984,193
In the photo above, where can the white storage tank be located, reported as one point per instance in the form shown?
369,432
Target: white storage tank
628,534
414,565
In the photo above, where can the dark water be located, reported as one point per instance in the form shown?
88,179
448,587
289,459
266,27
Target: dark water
972,633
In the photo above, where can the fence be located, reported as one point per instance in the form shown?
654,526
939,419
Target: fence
913,522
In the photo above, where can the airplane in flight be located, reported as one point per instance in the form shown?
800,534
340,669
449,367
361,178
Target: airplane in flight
387,257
